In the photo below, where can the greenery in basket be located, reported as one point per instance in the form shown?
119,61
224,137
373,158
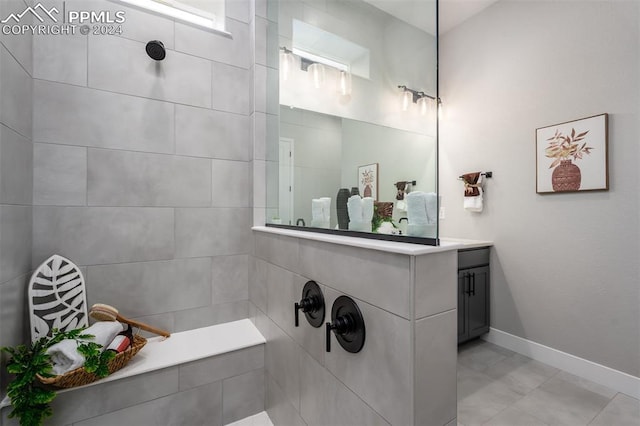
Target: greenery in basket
30,400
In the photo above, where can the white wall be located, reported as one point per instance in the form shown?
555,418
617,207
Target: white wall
565,266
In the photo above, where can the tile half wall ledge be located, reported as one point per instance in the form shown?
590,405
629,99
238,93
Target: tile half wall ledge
181,348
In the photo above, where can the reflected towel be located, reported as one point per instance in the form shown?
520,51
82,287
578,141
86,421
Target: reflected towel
326,208
354,207
417,208
367,209
64,354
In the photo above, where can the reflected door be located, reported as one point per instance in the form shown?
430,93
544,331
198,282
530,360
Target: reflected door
285,187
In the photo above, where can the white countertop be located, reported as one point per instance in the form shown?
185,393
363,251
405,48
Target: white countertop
446,244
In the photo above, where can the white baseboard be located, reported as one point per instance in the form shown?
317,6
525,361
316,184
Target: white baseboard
617,380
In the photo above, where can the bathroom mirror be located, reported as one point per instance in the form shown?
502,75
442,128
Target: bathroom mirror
358,116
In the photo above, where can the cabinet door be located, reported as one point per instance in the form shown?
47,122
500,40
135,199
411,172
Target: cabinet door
478,301
463,333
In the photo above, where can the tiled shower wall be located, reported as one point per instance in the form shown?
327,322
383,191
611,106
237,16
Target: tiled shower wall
142,168
16,187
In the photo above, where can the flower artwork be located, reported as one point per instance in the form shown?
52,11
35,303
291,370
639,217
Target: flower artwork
368,180
565,144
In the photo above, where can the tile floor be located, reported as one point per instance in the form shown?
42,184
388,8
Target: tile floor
497,387
500,387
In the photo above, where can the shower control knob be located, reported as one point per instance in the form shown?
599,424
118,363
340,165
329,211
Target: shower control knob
347,325
312,304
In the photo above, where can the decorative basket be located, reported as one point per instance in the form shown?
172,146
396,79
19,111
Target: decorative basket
80,377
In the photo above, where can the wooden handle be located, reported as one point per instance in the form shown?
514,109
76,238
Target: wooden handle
143,326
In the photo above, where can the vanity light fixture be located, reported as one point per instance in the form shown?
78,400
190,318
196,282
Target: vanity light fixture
316,74
344,83
425,102
286,62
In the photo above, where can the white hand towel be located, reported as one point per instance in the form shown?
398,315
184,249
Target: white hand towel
367,209
401,205
474,204
64,354
354,208
417,208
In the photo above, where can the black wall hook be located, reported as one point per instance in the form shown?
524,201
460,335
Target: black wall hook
312,304
347,325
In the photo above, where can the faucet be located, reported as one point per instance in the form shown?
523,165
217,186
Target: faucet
300,220
403,218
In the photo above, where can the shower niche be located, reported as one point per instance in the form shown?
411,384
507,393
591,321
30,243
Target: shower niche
357,111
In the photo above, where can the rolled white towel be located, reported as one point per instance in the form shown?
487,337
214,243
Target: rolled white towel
417,208
428,231
354,207
317,209
367,209
431,203
64,354
326,208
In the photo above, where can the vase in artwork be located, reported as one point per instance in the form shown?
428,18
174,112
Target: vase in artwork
566,177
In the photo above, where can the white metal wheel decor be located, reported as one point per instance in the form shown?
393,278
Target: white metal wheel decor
57,297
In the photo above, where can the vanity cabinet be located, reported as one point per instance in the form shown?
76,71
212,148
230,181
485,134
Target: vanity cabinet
473,293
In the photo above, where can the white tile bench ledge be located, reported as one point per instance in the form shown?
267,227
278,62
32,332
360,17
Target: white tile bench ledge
184,347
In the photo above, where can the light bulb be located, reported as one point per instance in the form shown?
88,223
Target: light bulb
286,63
423,105
406,98
344,83
316,73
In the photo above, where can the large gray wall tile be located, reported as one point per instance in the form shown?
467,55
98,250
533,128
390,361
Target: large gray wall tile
121,393
16,99
59,175
92,235
230,183
435,368
214,134
230,278
120,65
231,88
13,320
200,406
324,400
221,367
232,51
436,285
279,409
379,278
211,315
212,232
15,241
278,249
148,288
387,352
155,180
237,9
282,359
258,283
16,166
61,58
20,45
78,116
243,396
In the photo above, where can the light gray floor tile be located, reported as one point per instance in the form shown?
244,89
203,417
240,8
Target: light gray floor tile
522,369
480,355
561,402
587,384
621,411
512,417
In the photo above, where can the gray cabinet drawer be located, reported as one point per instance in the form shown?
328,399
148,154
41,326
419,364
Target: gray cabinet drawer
473,257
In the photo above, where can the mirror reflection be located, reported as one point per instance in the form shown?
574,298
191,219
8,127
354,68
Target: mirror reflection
357,144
